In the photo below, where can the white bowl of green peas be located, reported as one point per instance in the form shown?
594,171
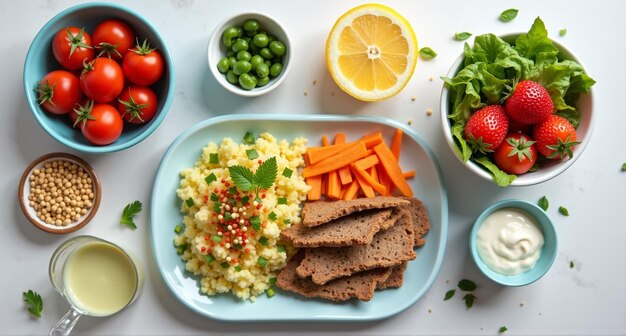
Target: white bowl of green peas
249,54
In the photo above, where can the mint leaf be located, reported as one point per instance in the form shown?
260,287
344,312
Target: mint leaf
469,300
252,154
266,173
508,15
467,285
543,203
449,294
502,330
243,177
427,53
563,210
462,36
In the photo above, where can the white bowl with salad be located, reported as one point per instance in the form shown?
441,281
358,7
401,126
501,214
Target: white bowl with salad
535,102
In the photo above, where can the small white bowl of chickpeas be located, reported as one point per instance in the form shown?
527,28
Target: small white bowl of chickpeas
59,193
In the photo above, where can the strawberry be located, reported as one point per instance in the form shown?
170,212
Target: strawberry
555,137
486,128
530,103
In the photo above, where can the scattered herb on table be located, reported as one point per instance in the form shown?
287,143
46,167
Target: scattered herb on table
130,210
502,330
543,203
462,36
508,15
427,53
469,300
624,166
467,285
563,210
35,301
571,264
562,32
449,294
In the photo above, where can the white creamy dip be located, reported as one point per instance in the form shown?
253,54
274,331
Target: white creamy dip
509,241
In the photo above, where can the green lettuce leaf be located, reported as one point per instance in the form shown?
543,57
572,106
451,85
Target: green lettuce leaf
536,45
501,178
457,133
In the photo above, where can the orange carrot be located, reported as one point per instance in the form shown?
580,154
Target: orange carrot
409,174
367,162
374,173
367,189
396,143
354,152
340,138
325,142
372,139
391,166
334,185
351,191
317,154
369,180
344,173
384,179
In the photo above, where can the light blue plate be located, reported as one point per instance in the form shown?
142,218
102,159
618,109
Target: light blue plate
185,150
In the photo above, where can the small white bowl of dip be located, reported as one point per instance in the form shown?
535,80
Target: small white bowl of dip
513,242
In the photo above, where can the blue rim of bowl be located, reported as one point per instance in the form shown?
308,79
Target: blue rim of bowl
215,39
112,147
476,168
303,118
523,278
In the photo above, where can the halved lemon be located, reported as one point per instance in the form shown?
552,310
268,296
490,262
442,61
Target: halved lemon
371,52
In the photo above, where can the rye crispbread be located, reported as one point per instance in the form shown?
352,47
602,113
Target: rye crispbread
320,212
420,220
360,285
388,248
357,228
396,278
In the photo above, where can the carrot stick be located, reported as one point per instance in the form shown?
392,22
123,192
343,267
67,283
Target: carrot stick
317,154
372,139
325,142
409,174
367,162
351,191
334,185
391,166
374,173
384,179
369,180
367,189
344,173
340,138
315,182
396,143
354,152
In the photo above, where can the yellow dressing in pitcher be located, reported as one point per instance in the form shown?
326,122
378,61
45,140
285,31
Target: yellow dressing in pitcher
99,279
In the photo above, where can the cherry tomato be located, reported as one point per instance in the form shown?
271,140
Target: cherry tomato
142,65
113,38
517,154
102,80
137,104
59,92
101,124
71,46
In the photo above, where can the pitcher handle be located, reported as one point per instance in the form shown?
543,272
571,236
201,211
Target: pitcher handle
65,324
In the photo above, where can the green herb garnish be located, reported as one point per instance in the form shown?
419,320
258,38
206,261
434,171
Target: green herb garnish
449,294
272,216
217,207
216,238
502,330
248,138
508,15
232,190
563,210
427,53
238,246
178,229
264,177
228,216
280,248
272,281
245,199
270,292
562,32
571,264
225,264
35,301
255,222
261,261
190,202
209,258
263,241
282,200
210,178
214,197
467,285
462,36
543,203
129,212
624,166
252,154
238,268
287,172
469,300
287,221
213,159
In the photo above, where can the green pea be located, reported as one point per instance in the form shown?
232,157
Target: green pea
243,56
232,78
260,40
230,53
247,81
262,81
251,25
268,63
240,44
223,65
232,60
271,38
278,48
242,67
229,36
262,70
276,69
239,32
266,53
256,59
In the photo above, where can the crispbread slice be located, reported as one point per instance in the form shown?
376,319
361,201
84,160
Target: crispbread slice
360,285
388,248
357,228
420,220
396,278
320,212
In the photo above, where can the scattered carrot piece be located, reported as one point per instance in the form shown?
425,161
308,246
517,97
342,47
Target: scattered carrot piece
391,166
396,143
340,138
374,173
325,142
354,152
367,189
367,162
369,180
409,174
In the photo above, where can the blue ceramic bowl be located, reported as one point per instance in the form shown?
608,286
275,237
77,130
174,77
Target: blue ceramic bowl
40,61
548,252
